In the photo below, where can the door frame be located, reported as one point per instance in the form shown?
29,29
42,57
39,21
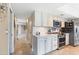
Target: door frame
10,30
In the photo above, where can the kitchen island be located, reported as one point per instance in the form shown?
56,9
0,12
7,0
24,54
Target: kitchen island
44,44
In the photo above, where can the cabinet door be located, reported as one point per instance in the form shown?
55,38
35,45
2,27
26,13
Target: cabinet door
41,46
50,21
67,38
44,19
48,45
38,18
54,43
62,24
55,46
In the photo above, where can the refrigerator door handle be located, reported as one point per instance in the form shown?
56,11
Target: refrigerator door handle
76,30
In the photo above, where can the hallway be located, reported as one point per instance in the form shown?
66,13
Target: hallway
67,50
22,47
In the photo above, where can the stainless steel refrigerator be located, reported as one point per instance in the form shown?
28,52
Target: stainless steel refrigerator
74,36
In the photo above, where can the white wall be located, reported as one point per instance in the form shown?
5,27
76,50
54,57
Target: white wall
21,23
42,30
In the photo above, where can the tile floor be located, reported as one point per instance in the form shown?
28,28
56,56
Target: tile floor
67,50
22,48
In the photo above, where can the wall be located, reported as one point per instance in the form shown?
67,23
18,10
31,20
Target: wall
29,29
21,34
42,30
4,35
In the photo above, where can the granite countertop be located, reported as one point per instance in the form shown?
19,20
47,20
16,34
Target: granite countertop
53,32
46,35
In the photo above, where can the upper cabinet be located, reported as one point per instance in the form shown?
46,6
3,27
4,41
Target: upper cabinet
46,19
50,21
62,24
69,25
38,18
42,18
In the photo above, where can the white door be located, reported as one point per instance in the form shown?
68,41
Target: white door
54,43
55,46
67,38
48,44
44,18
11,32
41,46
50,20
38,19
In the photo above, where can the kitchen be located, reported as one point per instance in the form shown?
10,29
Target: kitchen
48,32
53,34
45,35
39,31
44,30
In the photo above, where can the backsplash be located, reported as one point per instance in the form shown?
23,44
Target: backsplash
43,30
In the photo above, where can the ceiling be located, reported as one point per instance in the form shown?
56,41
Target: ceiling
25,9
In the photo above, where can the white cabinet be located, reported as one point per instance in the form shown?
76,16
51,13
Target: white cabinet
41,46
38,45
67,38
42,18
50,21
38,18
55,46
48,44
54,42
45,18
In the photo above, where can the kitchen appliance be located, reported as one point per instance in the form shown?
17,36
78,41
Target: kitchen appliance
61,40
56,23
68,27
74,36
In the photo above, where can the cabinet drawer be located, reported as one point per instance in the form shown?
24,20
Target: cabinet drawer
55,44
55,40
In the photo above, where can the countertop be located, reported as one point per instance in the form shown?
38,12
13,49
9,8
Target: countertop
53,33
46,35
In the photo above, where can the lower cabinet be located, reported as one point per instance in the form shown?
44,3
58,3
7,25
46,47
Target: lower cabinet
43,45
54,44
48,44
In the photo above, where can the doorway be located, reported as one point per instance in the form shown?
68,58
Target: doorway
11,32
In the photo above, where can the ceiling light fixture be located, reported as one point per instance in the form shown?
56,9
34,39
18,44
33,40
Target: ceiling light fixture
3,8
